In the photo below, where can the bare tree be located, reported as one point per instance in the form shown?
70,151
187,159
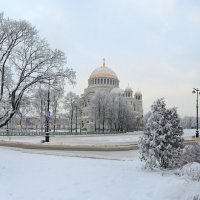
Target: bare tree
70,102
93,112
24,110
78,112
25,60
97,109
39,102
56,95
110,111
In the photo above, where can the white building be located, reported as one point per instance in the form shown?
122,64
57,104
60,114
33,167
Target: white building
103,78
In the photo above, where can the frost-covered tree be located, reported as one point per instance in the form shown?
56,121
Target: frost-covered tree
98,109
56,95
188,122
25,61
191,154
24,110
39,102
111,112
162,142
78,113
70,103
146,117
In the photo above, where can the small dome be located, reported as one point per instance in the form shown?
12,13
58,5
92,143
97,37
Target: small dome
128,89
103,71
117,91
138,93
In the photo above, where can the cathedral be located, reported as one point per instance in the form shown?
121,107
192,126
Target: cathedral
105,79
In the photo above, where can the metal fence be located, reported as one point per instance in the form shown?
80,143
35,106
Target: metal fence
57,133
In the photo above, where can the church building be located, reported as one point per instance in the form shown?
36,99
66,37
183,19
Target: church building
105,79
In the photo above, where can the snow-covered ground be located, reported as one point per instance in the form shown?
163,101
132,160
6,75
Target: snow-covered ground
77,139
27,175
127,138
189,133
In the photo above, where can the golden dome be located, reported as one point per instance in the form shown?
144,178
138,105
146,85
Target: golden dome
103,71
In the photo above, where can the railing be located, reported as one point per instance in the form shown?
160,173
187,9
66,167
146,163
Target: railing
58,133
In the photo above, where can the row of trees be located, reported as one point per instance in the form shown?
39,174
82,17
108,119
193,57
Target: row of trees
68,107
189,122
73,106
186,122
111,112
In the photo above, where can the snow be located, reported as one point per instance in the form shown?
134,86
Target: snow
78,139
32,176
191,170
189,133
128,138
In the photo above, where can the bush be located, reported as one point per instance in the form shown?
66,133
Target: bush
191,170
191,154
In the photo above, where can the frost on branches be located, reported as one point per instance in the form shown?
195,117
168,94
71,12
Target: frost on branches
162,144
191,154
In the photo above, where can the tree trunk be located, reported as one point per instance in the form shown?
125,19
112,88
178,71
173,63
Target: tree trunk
55,119
72,115
103,119
41,117
76,120
95,122
20,123
99,117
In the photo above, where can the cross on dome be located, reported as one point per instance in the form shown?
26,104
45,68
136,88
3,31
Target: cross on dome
104,62
103,72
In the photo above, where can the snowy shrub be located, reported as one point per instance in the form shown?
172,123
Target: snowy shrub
197,197
191,170
191,154
162,142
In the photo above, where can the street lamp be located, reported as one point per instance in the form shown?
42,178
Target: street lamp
48,115
196,90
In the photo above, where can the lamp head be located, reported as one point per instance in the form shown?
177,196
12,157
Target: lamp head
193,91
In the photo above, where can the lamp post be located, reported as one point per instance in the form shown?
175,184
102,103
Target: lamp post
48,115
196,90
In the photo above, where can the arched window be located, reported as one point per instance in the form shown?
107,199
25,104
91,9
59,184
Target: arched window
101,81
98,81
95,81
104,81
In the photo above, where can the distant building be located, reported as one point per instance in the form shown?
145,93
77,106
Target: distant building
103,78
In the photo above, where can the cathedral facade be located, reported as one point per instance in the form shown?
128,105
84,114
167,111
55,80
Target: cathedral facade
105,79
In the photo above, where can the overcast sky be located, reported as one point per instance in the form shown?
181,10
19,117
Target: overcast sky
153,45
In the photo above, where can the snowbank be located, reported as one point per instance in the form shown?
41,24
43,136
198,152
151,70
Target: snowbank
191,170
